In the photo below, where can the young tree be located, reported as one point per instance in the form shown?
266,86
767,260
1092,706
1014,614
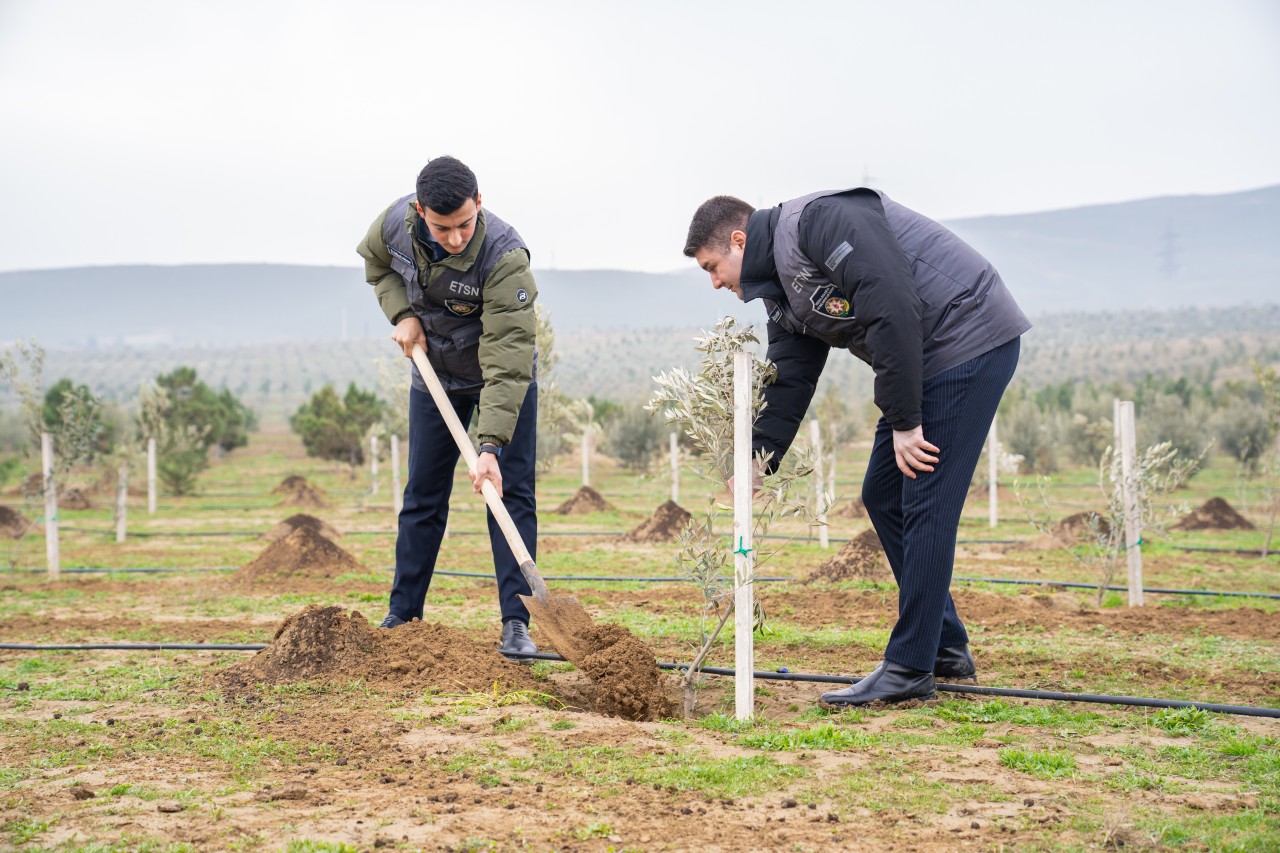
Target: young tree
634,438
225,420
336,428
77,421
562,420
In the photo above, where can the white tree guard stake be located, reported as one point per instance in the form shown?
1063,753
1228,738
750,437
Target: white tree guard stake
373,464
50,507
397,494
1132,510
993,459
151,476
122,501
743,519
820,482
675,468
586,455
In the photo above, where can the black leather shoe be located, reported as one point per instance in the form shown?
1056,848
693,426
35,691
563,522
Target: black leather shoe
515,641
392,621
955,662
887,683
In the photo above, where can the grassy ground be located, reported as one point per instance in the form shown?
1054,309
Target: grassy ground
173,763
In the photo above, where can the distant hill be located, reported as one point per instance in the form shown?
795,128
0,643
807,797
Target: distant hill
1183,251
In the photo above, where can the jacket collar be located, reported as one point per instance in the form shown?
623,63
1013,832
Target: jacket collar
423,243
759,273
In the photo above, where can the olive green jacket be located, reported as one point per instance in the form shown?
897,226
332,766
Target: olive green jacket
506,348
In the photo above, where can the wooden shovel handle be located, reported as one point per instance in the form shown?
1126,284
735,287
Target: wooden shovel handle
527,566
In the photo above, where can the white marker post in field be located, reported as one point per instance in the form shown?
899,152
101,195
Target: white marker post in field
743,559
1129,486
373,465
675,468
820,482
50,507
397,495
151,476
122,501
993,457
586,455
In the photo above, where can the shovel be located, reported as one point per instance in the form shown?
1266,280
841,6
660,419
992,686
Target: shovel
562,618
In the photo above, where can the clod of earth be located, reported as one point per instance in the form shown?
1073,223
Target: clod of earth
304,553
74,499
851,508
13,524
861,558
663,526
1213,514
585,500
1070,531
293,522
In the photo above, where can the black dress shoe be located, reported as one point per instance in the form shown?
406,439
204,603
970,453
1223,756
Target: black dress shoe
955,662
887,683
515,640
392,621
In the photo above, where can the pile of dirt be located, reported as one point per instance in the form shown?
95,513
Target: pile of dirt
585,500
335,645
304,553
293,522
1069,532
663,526
851,508
1214,514
982,492
13,524
861,558
74,499
298,492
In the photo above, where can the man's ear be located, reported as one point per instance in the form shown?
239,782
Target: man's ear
477,199
418,207
739,239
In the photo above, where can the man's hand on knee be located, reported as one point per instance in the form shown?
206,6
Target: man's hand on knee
912,452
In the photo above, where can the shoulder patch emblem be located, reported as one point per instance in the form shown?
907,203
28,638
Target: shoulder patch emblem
522,296
460,308
826,300
399,254
837,307
841,252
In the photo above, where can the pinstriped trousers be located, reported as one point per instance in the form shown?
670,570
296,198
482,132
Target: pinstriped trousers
917,520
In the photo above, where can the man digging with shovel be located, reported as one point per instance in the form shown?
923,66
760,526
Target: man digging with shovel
851,269
454,279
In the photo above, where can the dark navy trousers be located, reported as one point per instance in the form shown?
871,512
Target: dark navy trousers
433,456
917,520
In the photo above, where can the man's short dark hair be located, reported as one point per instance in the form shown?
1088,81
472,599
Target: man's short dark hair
445,184
714,221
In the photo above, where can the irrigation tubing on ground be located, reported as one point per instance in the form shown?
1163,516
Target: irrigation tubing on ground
972,689
1145,589
1248,552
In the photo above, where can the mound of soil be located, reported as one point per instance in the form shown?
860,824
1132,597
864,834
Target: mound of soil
334,645
861,558
663,526
1075,528
13,524
298,492
851,508
1214,514
293,522
982,492
304,553
74,499
584,501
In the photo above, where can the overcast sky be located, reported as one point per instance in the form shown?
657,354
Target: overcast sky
184,132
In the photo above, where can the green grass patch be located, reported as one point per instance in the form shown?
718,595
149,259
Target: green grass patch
821,736
1045,764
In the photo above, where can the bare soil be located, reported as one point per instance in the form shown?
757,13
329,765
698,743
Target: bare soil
663,526
74,499
1213,514
861,558
851,508
298,492
293,522
584,501
302,554
13,524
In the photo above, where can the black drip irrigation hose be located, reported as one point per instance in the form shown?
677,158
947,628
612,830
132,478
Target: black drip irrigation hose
972,689
1145,589
1248,552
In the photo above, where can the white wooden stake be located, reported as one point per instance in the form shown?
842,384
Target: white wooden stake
151,476
586,455
743,520
820,485
993,456
50,507
397,495
122,501
675,468
1132,512
373,464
